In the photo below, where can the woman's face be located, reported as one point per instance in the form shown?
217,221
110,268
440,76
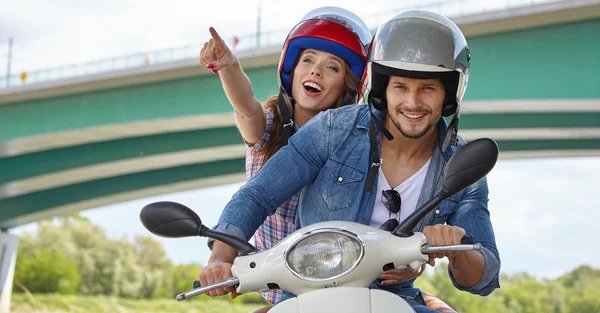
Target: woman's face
318,80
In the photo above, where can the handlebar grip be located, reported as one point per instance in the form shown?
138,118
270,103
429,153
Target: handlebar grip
229,282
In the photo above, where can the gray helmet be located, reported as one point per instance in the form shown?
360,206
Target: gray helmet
419,44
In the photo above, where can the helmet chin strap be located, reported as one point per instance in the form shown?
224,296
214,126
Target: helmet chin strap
378,103
286,108
452,134
376,160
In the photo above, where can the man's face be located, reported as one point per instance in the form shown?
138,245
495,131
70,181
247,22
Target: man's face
414,105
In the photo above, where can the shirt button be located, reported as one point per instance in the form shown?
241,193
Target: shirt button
437,211
340,178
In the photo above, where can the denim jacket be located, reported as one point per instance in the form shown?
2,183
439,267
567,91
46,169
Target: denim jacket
328,160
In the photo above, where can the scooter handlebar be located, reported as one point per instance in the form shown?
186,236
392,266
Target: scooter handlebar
427,249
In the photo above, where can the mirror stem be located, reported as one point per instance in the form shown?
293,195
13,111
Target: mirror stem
243,247
405,229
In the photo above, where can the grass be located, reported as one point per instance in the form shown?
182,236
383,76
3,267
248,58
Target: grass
53,303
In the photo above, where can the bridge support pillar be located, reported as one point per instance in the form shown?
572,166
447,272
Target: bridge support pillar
8,258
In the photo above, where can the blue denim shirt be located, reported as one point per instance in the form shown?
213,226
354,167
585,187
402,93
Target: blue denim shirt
328,159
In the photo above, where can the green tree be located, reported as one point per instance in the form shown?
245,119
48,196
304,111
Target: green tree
183,277
44,271
155,266
583,289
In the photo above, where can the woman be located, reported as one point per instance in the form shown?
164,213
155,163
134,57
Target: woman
322,66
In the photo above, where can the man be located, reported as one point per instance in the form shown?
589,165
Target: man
375,167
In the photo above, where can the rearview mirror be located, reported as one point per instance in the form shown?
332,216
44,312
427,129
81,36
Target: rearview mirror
170,219
467,166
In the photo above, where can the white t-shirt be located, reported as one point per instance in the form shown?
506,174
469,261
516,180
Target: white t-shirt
409,190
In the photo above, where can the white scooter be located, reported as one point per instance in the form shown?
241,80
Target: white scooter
330,265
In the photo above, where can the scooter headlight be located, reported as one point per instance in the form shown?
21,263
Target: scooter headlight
324,254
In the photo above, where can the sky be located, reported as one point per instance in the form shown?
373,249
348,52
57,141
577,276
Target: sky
544,211
63,32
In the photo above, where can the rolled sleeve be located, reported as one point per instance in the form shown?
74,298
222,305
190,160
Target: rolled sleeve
489,280
473,216
228,229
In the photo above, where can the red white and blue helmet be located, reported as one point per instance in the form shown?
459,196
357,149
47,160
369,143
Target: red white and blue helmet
330,29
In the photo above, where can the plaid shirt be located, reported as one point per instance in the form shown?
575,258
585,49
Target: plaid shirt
278,225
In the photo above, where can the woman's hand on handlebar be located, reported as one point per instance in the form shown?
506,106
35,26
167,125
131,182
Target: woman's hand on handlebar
219,269
214,272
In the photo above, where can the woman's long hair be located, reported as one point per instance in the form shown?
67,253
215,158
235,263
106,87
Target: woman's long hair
275,142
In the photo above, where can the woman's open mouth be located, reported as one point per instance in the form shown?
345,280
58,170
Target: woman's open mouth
312,88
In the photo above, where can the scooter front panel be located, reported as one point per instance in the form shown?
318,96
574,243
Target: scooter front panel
385,301
344,300
287,306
